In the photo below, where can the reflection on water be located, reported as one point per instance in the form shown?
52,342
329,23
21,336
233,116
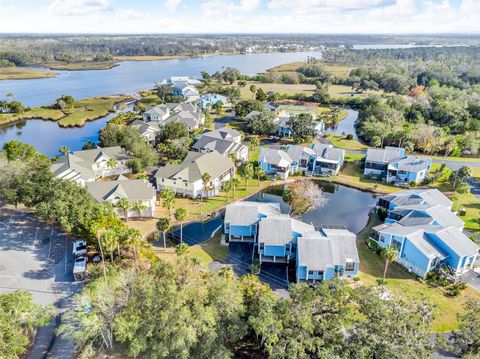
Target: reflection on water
346,126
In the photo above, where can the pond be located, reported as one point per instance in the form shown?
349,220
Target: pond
346,126
348,207
134,76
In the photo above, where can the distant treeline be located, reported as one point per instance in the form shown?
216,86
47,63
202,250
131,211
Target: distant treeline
23,50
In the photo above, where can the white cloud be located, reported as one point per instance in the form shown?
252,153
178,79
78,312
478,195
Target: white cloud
77,7
227,8
172,5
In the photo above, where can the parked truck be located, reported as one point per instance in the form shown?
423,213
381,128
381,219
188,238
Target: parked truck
80,268
79,249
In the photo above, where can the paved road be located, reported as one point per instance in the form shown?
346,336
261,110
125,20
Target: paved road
37,258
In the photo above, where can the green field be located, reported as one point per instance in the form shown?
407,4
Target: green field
342,142
334,70
85,110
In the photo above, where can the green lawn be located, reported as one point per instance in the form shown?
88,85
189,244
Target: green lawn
352,157
21,73
398,280
342,142
210,250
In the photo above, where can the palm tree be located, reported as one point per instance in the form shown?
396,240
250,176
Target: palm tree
462,188
182,249
227,187
112,163
163,225
180,216
168,200
123,204
139,207
206,186
254,142
248,173
259,173
64,150
235,183
389,253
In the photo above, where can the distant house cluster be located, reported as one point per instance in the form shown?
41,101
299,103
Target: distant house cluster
184,87
320,159
391,164
319,253
158,116
426,233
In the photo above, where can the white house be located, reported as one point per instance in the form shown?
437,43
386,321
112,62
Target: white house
275,162
182,112
148,130
86,166
186,178
133,190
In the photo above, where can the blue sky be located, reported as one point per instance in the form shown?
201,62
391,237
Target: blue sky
244,16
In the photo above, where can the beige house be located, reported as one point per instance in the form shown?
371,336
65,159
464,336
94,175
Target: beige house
133,190
186,178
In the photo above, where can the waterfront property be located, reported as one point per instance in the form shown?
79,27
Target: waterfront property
325,254
277,238
148,130
425,232
186,178
319,159
275,162
184,87
327,160
181,112
283,119
132,190
225,141
392,165
89,165
242,218
208,100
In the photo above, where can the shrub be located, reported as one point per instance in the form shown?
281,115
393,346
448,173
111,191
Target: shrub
382,213
356,279
455,289
349,136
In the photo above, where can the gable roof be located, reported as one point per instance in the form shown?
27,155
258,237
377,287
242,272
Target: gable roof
275,157
224,133
133,190
247,213
297,152
328,153
195,165
224,147
457,241
384,155
276,230
430,196
326,248
418,216
410,164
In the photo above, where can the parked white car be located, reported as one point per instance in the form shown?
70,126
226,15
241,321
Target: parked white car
79,248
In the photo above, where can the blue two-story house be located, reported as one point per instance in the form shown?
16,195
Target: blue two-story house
416,196
325,254
242,218
424,248
208,100
277,238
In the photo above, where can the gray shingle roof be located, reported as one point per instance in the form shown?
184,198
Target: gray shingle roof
327,248
196,164
410,164
417,196
247,213
275,157
384,155
275,230
329,153
457,241
223,147
224,133
133,190
296,153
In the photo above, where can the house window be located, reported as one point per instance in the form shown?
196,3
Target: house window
311,272
397,244
350,266
382,239
227,226
261,246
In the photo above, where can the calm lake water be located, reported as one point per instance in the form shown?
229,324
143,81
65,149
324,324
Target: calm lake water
133,76
346,206
346,126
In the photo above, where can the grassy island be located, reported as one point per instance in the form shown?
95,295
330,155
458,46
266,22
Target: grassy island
23,73
84,110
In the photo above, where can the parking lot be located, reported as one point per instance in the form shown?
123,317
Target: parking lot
36,257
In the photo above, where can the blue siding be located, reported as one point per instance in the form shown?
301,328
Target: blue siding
414,256
241,231
277,251
453,259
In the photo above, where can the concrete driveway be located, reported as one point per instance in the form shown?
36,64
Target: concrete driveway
37,258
